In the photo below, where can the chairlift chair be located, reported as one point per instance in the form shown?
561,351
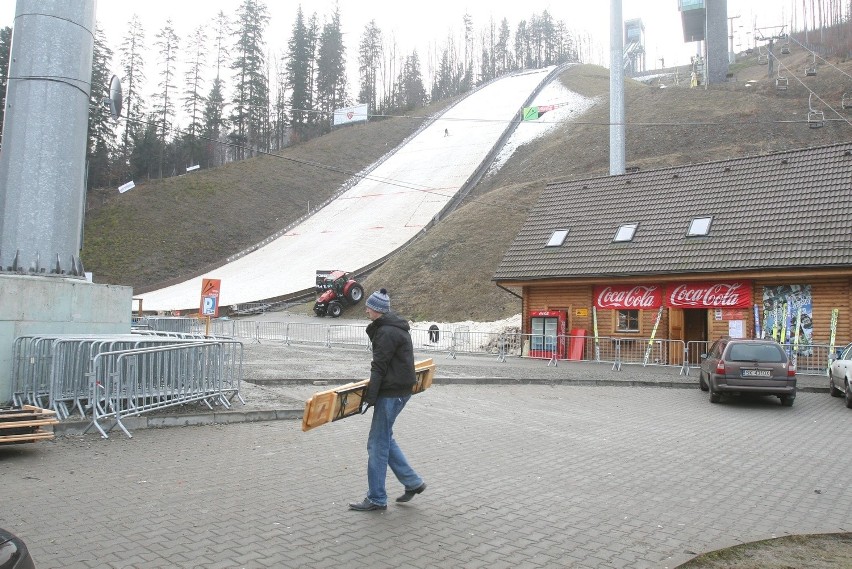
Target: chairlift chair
816,118
811,71
781,82
846,101
785,48
762,58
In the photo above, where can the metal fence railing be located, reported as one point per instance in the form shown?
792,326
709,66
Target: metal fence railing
811,359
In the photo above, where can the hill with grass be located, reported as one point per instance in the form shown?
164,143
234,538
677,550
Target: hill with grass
168,230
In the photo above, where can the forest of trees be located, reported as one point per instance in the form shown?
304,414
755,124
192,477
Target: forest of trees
217,97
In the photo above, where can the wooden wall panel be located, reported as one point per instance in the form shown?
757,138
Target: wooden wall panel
827,293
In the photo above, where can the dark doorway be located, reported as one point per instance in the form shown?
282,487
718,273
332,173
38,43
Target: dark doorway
695,330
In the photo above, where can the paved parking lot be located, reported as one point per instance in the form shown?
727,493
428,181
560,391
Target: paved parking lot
518,475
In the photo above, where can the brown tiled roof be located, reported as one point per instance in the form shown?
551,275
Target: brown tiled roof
782,210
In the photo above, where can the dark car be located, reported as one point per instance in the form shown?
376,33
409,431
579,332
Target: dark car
13,552
736,365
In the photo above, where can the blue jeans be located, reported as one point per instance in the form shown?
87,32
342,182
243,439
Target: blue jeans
383,451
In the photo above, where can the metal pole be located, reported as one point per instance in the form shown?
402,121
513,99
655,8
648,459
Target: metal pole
43,163
616,90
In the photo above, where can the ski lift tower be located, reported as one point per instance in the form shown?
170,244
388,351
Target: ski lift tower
707,21
634,46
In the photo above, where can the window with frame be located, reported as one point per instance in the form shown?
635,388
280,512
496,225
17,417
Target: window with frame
627,321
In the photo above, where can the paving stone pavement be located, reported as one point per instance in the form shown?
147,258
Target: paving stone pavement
541,468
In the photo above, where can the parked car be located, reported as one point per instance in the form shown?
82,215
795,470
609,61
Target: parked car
13,552
840,375
735,365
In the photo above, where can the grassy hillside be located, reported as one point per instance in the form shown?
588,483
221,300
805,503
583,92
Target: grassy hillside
175,227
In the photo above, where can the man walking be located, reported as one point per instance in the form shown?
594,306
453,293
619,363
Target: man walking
391,380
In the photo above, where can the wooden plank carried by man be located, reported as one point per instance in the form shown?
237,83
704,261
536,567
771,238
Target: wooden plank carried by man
344,401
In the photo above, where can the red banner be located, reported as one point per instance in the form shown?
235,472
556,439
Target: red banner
638,297
735,294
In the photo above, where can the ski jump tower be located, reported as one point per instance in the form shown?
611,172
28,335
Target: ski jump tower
707,21
634,47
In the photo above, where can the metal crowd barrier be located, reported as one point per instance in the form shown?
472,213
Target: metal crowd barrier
129,382
56,371
812,359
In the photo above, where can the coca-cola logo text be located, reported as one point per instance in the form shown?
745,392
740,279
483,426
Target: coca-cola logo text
717,295
636,297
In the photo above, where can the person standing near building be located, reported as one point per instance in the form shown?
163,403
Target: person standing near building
392,377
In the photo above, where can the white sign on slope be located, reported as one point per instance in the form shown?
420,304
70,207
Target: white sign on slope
350,114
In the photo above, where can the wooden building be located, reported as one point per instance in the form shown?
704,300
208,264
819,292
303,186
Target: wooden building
734,247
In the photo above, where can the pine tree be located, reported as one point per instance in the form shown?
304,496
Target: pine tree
101,136
331,71
132,79
164,106
214,125
369,56
193,100
5,53
251,91
299,66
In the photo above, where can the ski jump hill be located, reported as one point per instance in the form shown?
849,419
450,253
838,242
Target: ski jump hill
382,210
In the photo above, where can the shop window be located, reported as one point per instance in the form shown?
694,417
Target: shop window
627,321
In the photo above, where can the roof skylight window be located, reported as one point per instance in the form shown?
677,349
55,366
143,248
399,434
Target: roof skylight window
558,238
699,226
626,232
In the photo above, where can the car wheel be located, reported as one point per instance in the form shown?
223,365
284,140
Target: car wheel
832,388
335,309
787,400
356,293
848,396
715,396
702,385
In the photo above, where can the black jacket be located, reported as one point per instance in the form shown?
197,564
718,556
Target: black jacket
392,370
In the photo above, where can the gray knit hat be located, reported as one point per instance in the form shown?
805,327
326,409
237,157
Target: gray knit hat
379,301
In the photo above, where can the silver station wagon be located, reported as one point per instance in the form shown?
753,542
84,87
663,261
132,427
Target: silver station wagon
736,365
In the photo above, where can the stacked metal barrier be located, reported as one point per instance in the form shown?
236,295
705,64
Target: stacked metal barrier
68,373
129,382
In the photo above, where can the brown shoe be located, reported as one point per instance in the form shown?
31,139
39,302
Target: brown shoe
409,494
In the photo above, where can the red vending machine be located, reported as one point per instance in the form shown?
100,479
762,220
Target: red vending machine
547,329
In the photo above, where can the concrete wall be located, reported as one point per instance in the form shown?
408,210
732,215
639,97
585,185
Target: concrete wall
56,305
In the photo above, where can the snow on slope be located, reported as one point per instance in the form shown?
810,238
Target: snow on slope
377,215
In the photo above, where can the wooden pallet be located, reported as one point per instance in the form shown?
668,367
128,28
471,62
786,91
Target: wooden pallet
25,424
345,401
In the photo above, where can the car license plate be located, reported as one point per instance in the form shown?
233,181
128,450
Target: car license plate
756,373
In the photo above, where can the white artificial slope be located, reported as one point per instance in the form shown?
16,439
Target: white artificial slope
379,213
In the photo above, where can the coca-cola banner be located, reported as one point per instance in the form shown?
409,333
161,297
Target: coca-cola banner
735,294
631,297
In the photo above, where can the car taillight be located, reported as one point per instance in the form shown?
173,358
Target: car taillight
791,371
720,367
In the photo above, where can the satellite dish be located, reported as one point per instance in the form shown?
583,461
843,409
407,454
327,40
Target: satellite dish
115,100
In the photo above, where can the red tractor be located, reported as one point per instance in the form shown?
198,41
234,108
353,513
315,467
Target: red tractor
334,291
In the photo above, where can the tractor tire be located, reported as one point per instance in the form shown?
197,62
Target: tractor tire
320,311
355,293
335,309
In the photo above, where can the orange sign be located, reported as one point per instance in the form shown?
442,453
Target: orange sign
210,297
